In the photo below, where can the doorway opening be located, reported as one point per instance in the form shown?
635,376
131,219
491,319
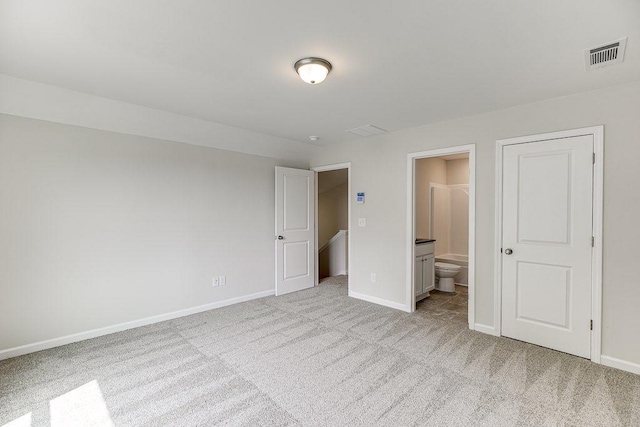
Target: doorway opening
332,225
441,233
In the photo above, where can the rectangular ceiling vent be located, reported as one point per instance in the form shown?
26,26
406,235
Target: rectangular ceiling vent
367,130
608,54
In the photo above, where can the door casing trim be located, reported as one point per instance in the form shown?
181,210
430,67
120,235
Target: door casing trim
410,239
598,198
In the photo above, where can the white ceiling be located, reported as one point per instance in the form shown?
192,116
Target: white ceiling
395,64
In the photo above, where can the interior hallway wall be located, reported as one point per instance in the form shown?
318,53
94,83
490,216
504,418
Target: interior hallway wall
99,228
380,247
333,213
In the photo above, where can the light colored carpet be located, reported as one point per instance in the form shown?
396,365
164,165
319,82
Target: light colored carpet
314,357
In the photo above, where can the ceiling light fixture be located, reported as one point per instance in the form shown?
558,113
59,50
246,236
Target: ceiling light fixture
313,70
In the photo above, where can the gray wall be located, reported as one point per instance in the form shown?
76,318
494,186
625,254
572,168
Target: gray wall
333,213
379,167
99,228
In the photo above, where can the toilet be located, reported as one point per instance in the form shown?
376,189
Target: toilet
445,274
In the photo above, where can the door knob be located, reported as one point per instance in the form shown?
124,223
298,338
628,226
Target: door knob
280,237
508,251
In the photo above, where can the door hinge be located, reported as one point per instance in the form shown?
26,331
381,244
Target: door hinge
594,158
591,325
593,241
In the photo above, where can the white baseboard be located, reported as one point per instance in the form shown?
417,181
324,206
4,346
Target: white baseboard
68,339
379,301
490,330
612,362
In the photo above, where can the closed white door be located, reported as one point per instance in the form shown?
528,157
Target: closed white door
547,243
295,235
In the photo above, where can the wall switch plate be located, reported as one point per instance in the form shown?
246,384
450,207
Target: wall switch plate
223,280
373,277
362,222
216,282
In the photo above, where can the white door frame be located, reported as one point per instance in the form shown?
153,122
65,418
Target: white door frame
596,260
326,168
411,226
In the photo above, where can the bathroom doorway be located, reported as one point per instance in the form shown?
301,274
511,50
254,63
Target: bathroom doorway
332,224
441,233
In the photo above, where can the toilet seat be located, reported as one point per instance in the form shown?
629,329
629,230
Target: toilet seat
445,266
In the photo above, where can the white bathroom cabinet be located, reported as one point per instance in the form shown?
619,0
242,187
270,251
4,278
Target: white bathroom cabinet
424,270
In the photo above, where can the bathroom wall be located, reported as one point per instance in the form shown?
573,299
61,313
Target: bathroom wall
427,170
441,230
458,173
451,207
459,226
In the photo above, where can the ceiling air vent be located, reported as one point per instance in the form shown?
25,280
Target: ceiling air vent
608,54
367,130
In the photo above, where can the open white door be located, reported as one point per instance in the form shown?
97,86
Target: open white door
295,235
547,243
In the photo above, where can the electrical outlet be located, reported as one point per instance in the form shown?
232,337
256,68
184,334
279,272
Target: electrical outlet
216,282
362,222
223,280
373,277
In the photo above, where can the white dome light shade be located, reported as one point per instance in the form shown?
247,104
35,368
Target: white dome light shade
313,70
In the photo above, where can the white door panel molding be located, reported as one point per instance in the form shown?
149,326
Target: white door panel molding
548,268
